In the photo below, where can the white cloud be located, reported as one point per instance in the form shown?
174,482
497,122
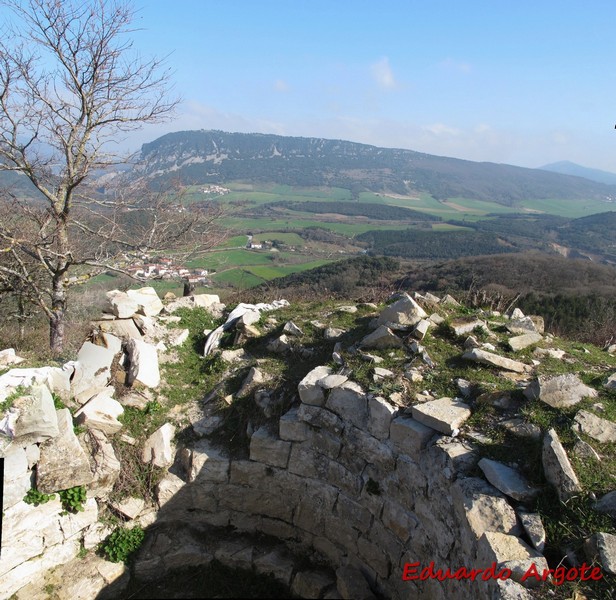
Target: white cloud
383,74
440,129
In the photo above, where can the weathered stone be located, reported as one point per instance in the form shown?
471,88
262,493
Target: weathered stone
101,412
63,463
522,325
507,480
444,415
382,337
31,418
233,356
17,476
380,415
55,378
595,427
121,304
560,391
143,364
92,371
253,378
489,358
310,392
278,563
350,403
409,436
380,374
320,417
483,507
584,450
508,551
104,464
311,584
265,447
177,337
519,342
551,352
421,329
291,328
522,428
148,302
8,357
205,463
465,325
332,334
402,314
158,448
291,428
332,381
610,383
533,526
352,585
601,547
607,504
557,468
122,328
279,345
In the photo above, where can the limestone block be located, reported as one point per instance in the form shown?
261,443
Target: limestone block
206,300
122,328
557,468
291,428
311,584
559,391
101,412
17,476
55,378
350,403
398,520
610,382
279,345
32,418
129,507
602,547
320,417
205,463
533,526
266,448
402,314
278,563
143,367
380,416
92,371
373,556
519,342
483,507
72,524
159,448
507,480
237,554
121,304
352,585
148,302
353,513
9,357
465,325
332,381
409,436
444,415
382,337
254,377
597,428
168,489
489,358
510,552
310,392
104,463
63,463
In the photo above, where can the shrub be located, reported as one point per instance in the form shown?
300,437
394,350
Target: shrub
122,543
35,497
73,499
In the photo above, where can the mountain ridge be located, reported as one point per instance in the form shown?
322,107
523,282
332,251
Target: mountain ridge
212,156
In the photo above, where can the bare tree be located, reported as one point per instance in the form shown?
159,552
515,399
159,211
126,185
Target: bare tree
70,86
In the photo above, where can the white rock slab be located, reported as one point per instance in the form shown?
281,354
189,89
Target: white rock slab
597,428
159,449
507,480
402,314
148,302
143,367
489,358
445,414
101,412
560,391
310,392
121,305
557,468
92,371
382,337
519,342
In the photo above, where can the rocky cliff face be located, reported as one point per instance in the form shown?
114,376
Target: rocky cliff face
366,443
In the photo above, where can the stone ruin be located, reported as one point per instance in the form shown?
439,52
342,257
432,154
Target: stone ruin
359,483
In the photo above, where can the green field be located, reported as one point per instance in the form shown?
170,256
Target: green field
572,209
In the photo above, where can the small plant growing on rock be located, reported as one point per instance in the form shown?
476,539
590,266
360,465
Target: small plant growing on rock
73,499
35,497
122,543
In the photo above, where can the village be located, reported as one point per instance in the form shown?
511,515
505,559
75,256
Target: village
161,267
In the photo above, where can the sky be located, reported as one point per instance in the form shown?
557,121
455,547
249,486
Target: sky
519,82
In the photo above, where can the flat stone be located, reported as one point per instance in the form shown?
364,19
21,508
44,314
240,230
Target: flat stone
101,412
92,371
333,333
310,392
104,464
63,463
122,328
421,329
584,450
507,480
557,468
525,340
382,337
9,357
380,373
560,391
489,358
143,367
445,414
533,526
332,381
253,378
465,325
595,427
350,403
121,304
291,328
148,302
602,547
266,448
522,326
380,415
610,383
409,436
522,428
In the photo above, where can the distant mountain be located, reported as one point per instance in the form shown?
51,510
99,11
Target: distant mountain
196,157
566,167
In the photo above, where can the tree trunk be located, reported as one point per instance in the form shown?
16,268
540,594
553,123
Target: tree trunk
189,288
57,318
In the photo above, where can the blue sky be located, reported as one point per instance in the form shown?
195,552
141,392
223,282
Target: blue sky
517,82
